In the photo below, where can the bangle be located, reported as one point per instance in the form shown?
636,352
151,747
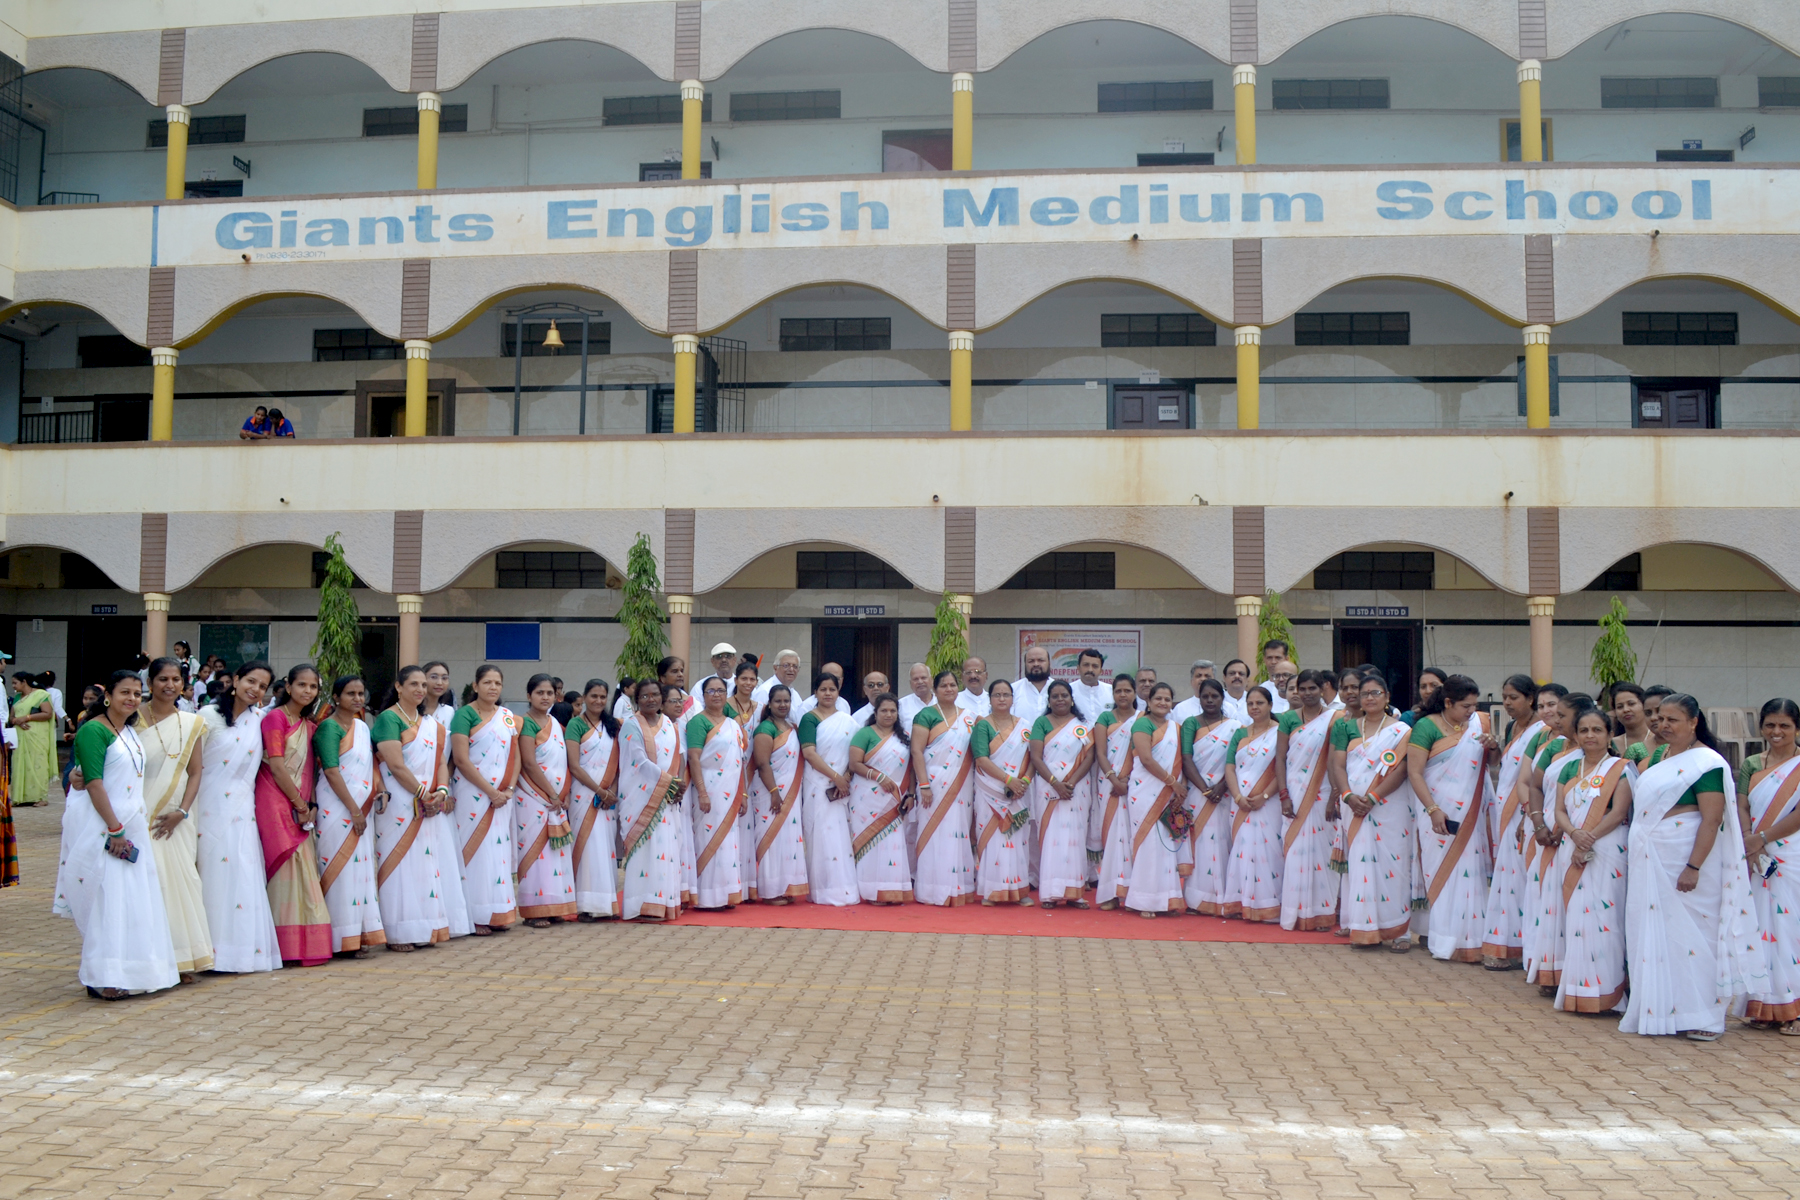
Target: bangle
185,813
119,832
1692,867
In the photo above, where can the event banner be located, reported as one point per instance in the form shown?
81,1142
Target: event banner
1122,647
990,209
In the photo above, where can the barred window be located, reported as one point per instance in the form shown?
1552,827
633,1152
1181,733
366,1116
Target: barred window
1666,92
354,345
1331,93
824,570
1778,91
202,131
1157,329
1681,328
1376,570
404,122
549,569
1353,329
649,110
599,338
836,333
826,104
1067,570
1161,96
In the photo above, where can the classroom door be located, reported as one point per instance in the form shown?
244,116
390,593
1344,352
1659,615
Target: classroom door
98,646
859,648
1393,646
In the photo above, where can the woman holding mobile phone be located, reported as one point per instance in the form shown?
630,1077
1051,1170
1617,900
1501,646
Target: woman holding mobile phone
1584,952
108,881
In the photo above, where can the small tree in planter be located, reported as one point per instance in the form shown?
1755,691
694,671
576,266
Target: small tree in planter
1613,660
337,649
640,615
1274,625
949,639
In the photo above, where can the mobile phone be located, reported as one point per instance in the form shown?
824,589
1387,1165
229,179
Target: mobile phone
1770,865
1452,826
131,854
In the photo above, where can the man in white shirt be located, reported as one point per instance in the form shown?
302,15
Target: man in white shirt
874,684
48,682
974,698
1146,679
812,701
1202,669
1283,676
1275,651
919,676
1031,698
1093,691
723,656
1237,682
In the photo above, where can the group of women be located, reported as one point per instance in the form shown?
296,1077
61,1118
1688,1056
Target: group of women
279,825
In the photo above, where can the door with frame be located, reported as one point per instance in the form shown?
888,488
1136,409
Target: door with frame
1395,646
859,647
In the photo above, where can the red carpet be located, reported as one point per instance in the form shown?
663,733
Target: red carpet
1001,920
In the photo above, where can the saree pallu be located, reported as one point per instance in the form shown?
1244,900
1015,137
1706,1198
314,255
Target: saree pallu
545,876
830,858
1691,956
1587,958
1375,904
484,839
34,758
746,811
168,749
232,883
780,845
1062,825
1002,845
1112,813
1309,887
647,820
594,853
1455,870
1578,798
1777,897
347,860
877,828
946,868
1155,880
719,865
1543,903
1504,937
290,855
1211,836
408,869
1253,877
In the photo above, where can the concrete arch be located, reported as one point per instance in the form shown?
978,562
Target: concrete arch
1491,540
1009,277
1004,27
1573,23
736,282
469,41
210,296
733,32
911,540
454,541
464,288
1489,272
134,59
1598,538
1283,27
200,541
118,295
1588,275
217,54
1197,539
108,540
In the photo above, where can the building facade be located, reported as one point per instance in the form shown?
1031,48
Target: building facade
1446,322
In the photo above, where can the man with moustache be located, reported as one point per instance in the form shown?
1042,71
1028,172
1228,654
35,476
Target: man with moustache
973,697
1030,693
1093,692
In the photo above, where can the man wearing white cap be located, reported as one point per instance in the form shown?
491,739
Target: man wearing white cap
724,656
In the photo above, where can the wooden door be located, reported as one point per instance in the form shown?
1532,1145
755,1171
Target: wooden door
1676,408
1150,408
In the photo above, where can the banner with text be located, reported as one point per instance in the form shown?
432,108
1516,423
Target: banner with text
1123,650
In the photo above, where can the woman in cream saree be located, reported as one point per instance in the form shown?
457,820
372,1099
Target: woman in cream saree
1309,887
408,873
542,834
1206,741
1585,956
1375,853
594,804
1769,798
1255,774
1109,821
172,773
1002,749
1159,846
717,754
942,764
649,781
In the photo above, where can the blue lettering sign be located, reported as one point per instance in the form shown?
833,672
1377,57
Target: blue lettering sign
288,226
366,226
1121,209
328,231
1159,204
850,208
1593,206
471,227
1281,205
563,219
1668,204
1702,199
1516,195
244,230
1002,203
1456,206
641,217
1220,212
1409,195
1051,210
691,226
805,218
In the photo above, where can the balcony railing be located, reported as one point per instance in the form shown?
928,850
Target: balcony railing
51,427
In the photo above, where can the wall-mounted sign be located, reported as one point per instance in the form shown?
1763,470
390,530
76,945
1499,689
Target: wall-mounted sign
1122,649
105,610
856,610
1377,610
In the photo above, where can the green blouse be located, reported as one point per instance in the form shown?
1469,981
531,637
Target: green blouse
326,740
89,749
929,717
866,738
389,726
1711,781
1343,732
1426,733
465,720
809,728
699,728
768,727
1550,751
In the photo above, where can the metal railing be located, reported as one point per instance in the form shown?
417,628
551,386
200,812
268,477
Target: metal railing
69,198
52,427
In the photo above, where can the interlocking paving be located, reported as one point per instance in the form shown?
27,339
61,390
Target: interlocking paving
632,1062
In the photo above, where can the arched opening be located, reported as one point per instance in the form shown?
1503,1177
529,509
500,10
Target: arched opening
1686,567
67,375
63,614
79,131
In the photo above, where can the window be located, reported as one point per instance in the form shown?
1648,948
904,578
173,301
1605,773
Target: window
549,569
1168,96
398,122
1681,329
1510,148
1626,575
836,333
202,131
1175,160
1066,570
1678,91
1778,91
322,559
915,150
599,338
212,189
663,172
1353,329
821,570
1376,570
649,110
1696,155
786,106
354,345
1331,93
1157,329
110,350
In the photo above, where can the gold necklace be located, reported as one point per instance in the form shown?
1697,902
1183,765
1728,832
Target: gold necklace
163,746
1379,726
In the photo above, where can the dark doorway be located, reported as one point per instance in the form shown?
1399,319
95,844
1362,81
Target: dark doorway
1173,159
98,646
1675,404
915,149
381,658
1151,408
213,189
381,408
859,648
123,418
1394,646
1696,155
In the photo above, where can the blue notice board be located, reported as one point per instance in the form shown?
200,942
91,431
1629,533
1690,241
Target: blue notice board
513,641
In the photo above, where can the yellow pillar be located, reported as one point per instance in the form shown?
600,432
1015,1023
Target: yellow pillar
962,381
1243,94
687,353
1531,111
1249,612
410,607
693,96
1542,610
430,110
1249,375
681,617
162,392
418,374
962,121
175,161
156,624
1537,377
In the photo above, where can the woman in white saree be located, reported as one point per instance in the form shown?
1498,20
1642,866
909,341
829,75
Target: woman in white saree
1159,843
1690,921
1109,822
1062,761
1375,853
1769,800
775,803
1585,956
593,738
942,764
484,750
346,796
649,781
716,756
825,735
232,882
444,828
1543,902
881,779
1001,746
1447,759
1502,944
1205,743
1255,774
408,870
542,834
1309,887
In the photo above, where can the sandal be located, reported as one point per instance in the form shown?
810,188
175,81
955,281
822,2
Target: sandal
539,923
1401,945
1705,1035
483,931
1791,1029
400,947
